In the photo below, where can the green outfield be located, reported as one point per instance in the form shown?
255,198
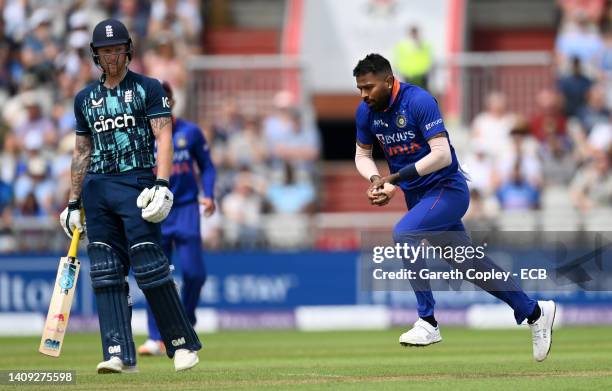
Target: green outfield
581,359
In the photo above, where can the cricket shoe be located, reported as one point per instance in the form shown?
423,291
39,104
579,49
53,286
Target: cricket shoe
152,347
541,330
185,359
115,365
421,334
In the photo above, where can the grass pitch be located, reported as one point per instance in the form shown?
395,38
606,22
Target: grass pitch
581,359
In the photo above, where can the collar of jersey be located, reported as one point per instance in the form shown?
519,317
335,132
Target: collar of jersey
122,80
394,92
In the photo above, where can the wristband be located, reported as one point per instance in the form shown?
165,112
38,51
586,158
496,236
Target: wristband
162,182
74,204
408,173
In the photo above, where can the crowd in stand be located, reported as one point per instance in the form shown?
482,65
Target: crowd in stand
567,142
44,61
265,164
267,161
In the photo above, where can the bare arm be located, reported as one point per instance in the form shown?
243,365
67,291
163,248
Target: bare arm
439,157
162,129
81,156
364,162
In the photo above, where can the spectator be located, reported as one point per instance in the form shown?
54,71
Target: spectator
247,148
413,58
604,63
558,163
594,111
548,119
243,209
291,196
135,15
491,128
38,130
579,39
480,166
299,147
10,164
600,138
522,151
181,17
34,190
592,186
163,62
574,87
516,193
39,47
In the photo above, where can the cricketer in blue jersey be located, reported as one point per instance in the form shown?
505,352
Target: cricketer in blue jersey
181,229
118,121
406,122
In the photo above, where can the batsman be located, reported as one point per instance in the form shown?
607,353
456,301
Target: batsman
118,120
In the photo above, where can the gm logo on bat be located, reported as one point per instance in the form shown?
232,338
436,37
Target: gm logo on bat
66,281
52,344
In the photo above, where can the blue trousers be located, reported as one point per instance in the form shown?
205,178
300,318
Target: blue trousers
435,214
181,233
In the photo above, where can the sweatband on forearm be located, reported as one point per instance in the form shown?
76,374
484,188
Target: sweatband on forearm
364,162
408,173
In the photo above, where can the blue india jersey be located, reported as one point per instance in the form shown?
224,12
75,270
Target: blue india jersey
402,131
190,147
117,120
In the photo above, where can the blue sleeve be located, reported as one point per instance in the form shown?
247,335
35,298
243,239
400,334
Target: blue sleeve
157,101
364,136
427,115
201,153
82,127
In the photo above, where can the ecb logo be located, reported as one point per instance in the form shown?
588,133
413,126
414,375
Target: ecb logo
66,280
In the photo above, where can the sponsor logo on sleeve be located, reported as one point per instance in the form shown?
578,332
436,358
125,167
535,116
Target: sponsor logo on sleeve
434,123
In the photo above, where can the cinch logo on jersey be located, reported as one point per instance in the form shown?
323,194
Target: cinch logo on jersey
119,122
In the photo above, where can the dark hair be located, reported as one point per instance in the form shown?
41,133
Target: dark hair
373,63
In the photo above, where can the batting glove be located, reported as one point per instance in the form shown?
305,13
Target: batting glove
70,218
155,202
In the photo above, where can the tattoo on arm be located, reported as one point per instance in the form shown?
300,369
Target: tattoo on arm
80,163
157,124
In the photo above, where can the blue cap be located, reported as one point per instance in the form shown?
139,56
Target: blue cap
110,32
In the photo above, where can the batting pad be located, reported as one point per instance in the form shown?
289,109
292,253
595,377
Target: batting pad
111,293
152,272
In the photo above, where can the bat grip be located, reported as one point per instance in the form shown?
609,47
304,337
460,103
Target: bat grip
76,236
74,244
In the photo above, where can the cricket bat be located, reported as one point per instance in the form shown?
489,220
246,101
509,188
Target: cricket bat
61,301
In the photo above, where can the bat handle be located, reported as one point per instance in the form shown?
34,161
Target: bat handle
74,244
76,236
